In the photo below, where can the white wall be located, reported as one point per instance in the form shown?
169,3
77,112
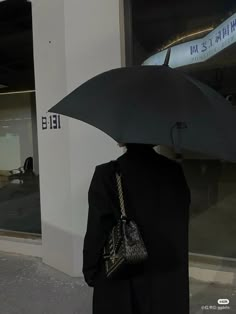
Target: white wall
50,81
73,41
15,130
92,47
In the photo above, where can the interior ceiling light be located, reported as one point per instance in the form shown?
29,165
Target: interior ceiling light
18,92
188,36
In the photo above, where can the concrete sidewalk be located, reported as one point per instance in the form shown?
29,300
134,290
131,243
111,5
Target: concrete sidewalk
205,296
28,286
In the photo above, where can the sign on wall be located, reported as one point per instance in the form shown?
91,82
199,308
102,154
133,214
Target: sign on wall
51,121
199,50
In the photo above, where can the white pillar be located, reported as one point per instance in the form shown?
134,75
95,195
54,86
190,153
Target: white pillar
73,41
34,133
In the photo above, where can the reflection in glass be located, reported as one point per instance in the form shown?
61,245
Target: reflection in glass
157,25
19,181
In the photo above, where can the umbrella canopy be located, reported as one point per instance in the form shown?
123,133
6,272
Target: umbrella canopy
155,105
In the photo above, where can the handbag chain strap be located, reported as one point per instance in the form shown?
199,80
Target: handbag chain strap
121,197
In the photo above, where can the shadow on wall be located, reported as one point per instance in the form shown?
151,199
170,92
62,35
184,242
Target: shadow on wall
63,249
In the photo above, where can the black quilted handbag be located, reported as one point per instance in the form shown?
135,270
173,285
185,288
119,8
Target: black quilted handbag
124,245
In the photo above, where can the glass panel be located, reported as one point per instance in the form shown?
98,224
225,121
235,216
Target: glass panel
202,35
19,174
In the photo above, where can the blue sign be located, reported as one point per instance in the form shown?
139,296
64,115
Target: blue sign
226,31
199,50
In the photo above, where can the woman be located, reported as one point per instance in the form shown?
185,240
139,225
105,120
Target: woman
157,198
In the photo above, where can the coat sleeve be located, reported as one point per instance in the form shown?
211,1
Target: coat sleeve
97,227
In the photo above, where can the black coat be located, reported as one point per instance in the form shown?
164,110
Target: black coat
157,198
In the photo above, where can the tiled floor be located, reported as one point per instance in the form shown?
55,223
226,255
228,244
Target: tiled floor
28,286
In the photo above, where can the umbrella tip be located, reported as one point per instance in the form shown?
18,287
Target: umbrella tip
167,58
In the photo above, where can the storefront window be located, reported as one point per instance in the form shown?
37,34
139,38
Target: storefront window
19,173
202,37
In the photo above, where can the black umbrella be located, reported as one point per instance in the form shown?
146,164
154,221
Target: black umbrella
155,105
